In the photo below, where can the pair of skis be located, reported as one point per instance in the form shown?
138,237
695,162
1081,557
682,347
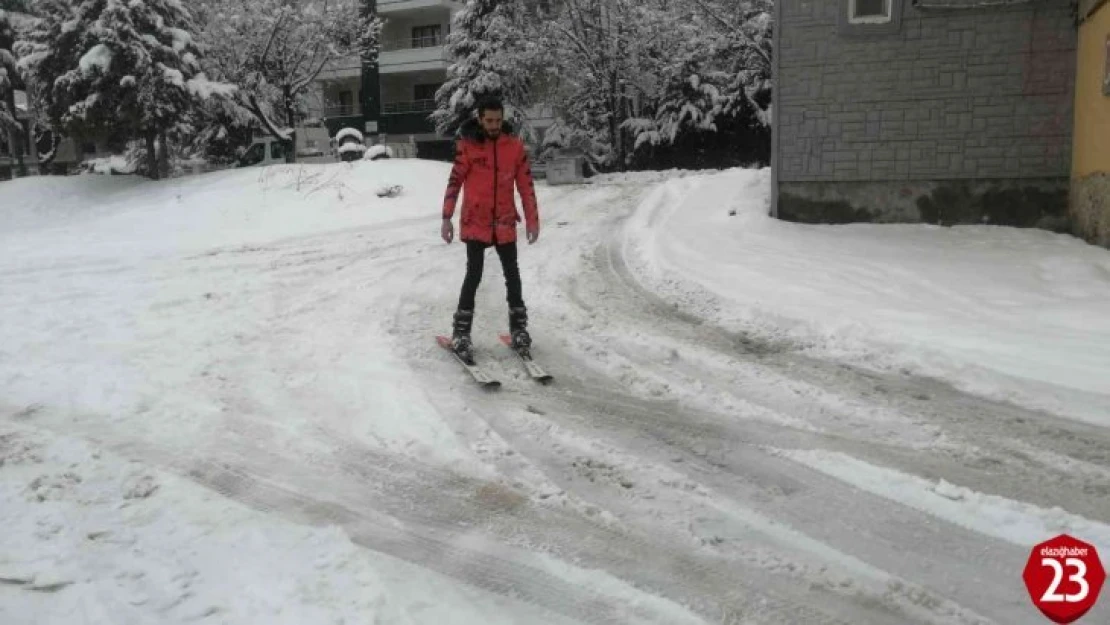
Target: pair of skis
483,378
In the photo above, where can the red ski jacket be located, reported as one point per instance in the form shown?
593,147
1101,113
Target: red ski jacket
486,171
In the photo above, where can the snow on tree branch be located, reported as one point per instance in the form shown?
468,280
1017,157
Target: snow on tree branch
273,51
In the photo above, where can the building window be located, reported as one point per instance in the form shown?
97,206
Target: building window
424,92
427,36
870,18
869,11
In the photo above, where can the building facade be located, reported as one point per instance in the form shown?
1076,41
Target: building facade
936,111
1090,175
390,102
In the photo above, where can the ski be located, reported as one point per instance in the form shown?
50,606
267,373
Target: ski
480,375
534,370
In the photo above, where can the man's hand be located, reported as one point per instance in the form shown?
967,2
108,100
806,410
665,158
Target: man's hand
447,231
533,234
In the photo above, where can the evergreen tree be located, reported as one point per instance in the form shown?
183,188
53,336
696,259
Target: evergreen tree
491,57
118,70
9,82
741,37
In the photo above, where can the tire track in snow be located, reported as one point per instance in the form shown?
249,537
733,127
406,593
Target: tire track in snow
608,396
485,534
1034,482
993,437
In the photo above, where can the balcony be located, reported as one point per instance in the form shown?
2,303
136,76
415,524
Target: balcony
412,54
404,108
347,110
341,69
408,117
413,43
387,7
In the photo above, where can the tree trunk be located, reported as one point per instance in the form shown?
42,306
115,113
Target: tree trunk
151,155
163,156
16,139
615,121
290,118
20,150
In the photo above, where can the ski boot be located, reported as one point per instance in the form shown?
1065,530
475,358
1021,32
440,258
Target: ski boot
518,330
460,336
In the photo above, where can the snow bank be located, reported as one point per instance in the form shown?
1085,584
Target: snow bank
171,280
98,217
108,165
1016,314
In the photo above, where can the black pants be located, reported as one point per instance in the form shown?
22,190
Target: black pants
475,263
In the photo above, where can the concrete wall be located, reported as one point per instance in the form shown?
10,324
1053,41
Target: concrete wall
948,102
1090,198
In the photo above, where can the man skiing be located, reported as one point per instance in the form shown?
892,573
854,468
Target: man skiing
489,162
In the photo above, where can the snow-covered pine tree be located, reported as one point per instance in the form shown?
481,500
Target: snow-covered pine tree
689,103
743,40
651,78
10,80
491,56
687,96
117,69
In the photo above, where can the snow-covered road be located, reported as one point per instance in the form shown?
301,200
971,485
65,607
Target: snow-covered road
228,384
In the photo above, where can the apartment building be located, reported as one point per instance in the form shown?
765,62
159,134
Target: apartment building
390,103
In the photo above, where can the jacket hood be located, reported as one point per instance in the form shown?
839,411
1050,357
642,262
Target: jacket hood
471,129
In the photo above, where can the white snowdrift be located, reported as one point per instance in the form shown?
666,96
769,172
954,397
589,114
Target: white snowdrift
1015,314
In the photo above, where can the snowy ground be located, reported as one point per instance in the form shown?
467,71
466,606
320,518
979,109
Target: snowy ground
221,402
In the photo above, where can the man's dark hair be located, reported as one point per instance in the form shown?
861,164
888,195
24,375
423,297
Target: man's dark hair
489,104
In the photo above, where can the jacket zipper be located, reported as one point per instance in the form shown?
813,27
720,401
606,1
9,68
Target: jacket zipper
494,228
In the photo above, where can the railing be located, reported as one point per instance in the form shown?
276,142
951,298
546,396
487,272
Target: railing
416,106
347,110
413,43
385,4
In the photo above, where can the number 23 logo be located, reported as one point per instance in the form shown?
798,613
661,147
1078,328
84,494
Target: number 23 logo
1079,577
